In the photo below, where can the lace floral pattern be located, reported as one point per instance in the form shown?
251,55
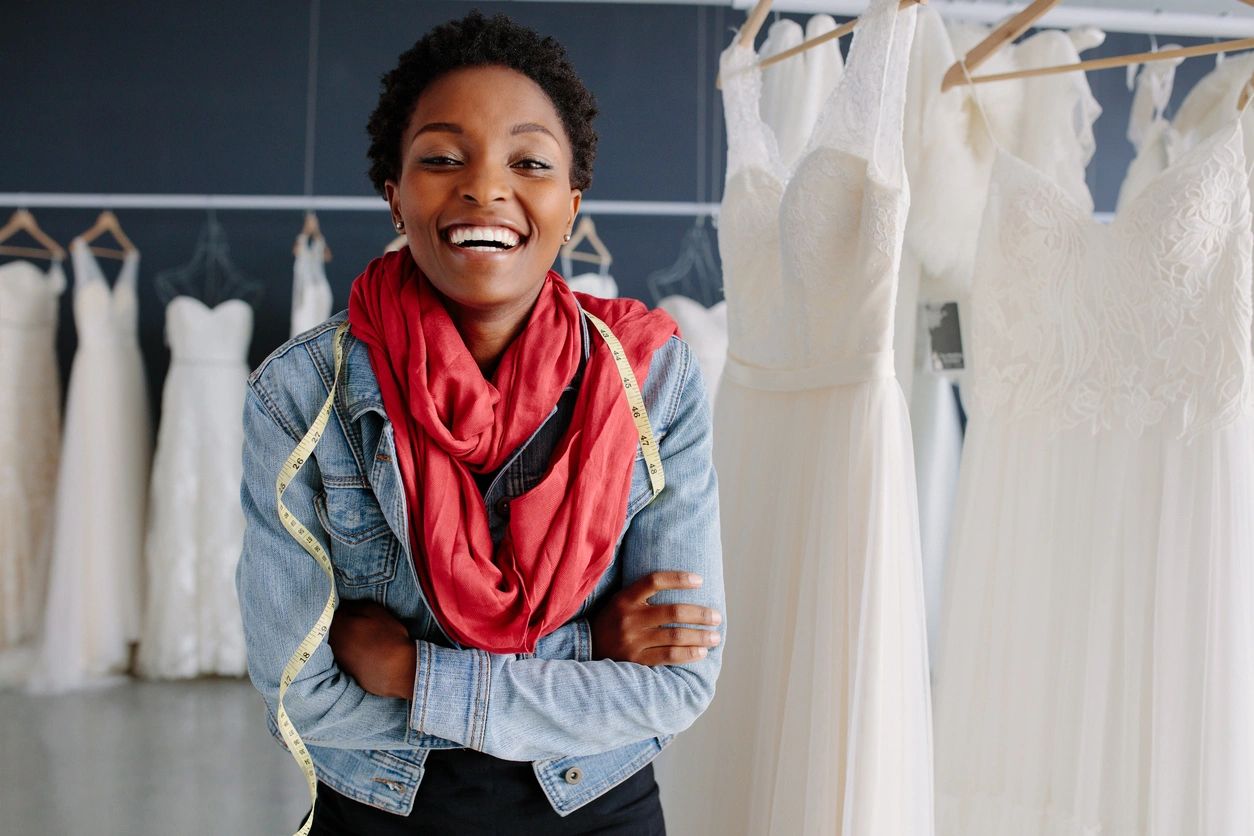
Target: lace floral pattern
1119,327
810,254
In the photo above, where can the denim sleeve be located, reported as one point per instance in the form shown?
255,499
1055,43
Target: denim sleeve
282,590
533,709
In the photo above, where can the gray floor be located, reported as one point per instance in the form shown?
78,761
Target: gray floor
145,758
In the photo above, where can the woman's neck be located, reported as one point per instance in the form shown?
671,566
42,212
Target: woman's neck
488,332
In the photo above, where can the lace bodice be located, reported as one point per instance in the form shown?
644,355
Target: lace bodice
197,333
1117,327
102,313
810,252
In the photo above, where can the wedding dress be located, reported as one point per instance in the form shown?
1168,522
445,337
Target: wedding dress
311,292
192,623
1047,121
705,331
594,284
95,585
30,436
822,723
1097,653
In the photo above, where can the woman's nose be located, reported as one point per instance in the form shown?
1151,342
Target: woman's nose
483,185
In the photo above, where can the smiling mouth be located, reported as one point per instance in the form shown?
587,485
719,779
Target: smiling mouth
484,239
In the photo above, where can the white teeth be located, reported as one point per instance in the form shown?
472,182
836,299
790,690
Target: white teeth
461,234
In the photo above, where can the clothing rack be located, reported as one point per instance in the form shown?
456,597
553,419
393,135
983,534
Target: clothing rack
316,203
327,203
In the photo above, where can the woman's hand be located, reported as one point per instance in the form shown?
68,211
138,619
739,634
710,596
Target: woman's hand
628,628
373,647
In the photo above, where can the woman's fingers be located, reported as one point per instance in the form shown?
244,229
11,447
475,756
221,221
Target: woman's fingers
672,655
685,614
648,586
682,637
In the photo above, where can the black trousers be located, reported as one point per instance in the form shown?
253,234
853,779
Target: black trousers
468,793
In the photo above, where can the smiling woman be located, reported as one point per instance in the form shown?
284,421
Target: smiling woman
514,486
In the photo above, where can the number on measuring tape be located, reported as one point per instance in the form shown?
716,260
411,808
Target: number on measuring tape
644,429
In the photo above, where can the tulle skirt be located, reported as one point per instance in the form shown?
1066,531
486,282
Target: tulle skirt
95,587
821,723
1096,671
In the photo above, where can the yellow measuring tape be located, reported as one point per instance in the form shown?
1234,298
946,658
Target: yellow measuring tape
309,543
652,459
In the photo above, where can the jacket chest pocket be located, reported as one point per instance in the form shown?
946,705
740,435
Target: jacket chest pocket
366,553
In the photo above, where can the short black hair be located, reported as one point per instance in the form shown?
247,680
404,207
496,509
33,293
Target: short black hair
474,41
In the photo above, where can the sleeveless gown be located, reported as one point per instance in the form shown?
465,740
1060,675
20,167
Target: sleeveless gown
311,292
192,623
96,583
1096,669
30,438
822,722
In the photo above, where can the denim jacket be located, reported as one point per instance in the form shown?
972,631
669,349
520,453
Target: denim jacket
585,725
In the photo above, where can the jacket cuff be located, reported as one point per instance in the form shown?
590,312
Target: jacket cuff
451,690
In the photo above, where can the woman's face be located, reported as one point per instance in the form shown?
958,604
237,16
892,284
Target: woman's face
484,188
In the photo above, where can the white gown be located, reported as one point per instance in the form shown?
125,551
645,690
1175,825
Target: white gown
1097,663
948,157
594,284
192,622
96,583
705,331
311,292
822,723
30,439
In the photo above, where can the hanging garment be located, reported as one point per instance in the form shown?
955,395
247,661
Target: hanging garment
794,90
705,331
95,585
594,284
1097,649
1150,133
1046,121
311,292
822,723
30,437
192,624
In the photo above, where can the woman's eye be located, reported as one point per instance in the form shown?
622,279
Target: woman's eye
532,164
438,159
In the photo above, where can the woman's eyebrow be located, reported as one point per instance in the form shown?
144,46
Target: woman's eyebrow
531,127
439,127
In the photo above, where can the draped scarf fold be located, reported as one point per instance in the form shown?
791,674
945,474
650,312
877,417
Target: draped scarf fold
449,424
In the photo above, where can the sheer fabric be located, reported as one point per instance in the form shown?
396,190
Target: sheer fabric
311,292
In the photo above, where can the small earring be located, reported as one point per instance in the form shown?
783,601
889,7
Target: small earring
400,225
566,237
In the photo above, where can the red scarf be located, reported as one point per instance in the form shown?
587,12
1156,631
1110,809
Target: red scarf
450,423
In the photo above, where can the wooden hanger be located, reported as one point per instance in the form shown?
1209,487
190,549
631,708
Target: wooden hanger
838,32
1119,61
586,231
312,232
1005,34
107,222
23,221
1246,91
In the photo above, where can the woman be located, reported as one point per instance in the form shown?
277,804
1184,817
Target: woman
523,623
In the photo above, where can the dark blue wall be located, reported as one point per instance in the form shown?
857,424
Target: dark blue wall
183,98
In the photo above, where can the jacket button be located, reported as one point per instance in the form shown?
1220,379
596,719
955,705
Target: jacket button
573,775
502,506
